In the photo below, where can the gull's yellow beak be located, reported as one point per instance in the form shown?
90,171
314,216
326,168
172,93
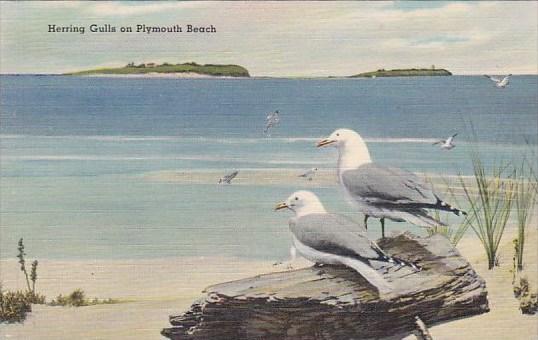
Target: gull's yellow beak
324,142
281,205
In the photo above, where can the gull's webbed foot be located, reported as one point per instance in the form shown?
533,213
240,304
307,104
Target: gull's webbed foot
283,264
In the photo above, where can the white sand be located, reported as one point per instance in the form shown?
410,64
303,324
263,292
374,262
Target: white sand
504,321
289,177
153,289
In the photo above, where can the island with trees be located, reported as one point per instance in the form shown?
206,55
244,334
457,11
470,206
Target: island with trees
408,72
187,69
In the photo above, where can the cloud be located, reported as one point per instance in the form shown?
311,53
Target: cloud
418,5
282,38
433,40
122,9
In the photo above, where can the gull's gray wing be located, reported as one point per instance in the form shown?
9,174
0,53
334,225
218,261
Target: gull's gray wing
376,184
451,138
494,79
307,173
228,178
334,234
505,81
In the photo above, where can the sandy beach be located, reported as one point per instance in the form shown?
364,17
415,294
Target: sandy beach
150,290
504,321
287,177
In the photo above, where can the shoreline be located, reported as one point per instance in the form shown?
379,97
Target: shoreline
150,290
175,75
130,279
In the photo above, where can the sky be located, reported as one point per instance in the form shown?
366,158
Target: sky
299,39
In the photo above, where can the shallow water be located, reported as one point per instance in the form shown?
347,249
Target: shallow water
79,156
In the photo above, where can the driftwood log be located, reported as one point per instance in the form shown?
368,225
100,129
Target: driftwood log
332,302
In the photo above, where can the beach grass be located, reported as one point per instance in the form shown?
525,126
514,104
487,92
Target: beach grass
524,203
14,305
490,209
78,298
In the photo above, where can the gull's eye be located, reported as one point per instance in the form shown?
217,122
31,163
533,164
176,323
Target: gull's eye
337,135
296,198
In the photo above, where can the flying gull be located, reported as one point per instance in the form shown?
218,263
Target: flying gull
272,120
309,174
447,144
327,238
379,191
501,83
227,179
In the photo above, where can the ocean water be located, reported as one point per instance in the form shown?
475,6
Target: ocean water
77,154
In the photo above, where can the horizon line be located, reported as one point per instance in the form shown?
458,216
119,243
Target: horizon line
262,76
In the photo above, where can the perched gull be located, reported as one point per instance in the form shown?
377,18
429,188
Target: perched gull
272,120
227,179
501,83
447,144
379,191
333,239
309,174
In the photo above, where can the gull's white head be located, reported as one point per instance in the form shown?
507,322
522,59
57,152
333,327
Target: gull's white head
352,149
302,203
340,138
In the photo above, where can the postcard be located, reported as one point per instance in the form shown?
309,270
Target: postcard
268,170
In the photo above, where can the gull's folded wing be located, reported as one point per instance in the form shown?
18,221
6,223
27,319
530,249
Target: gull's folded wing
375,184
334,234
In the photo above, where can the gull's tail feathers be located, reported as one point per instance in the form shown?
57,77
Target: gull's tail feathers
442,205
394,260
421,218
370,274
418,209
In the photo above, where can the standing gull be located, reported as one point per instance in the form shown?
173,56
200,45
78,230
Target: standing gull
309,174
447,144
333,239
272,120
227,179
500,83
379,191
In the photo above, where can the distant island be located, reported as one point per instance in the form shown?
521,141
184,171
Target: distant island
186,69
407,72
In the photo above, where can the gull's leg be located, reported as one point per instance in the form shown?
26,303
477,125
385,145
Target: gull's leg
293,256
382,227
366,221
288,263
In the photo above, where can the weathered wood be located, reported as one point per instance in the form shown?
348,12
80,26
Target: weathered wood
332,302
